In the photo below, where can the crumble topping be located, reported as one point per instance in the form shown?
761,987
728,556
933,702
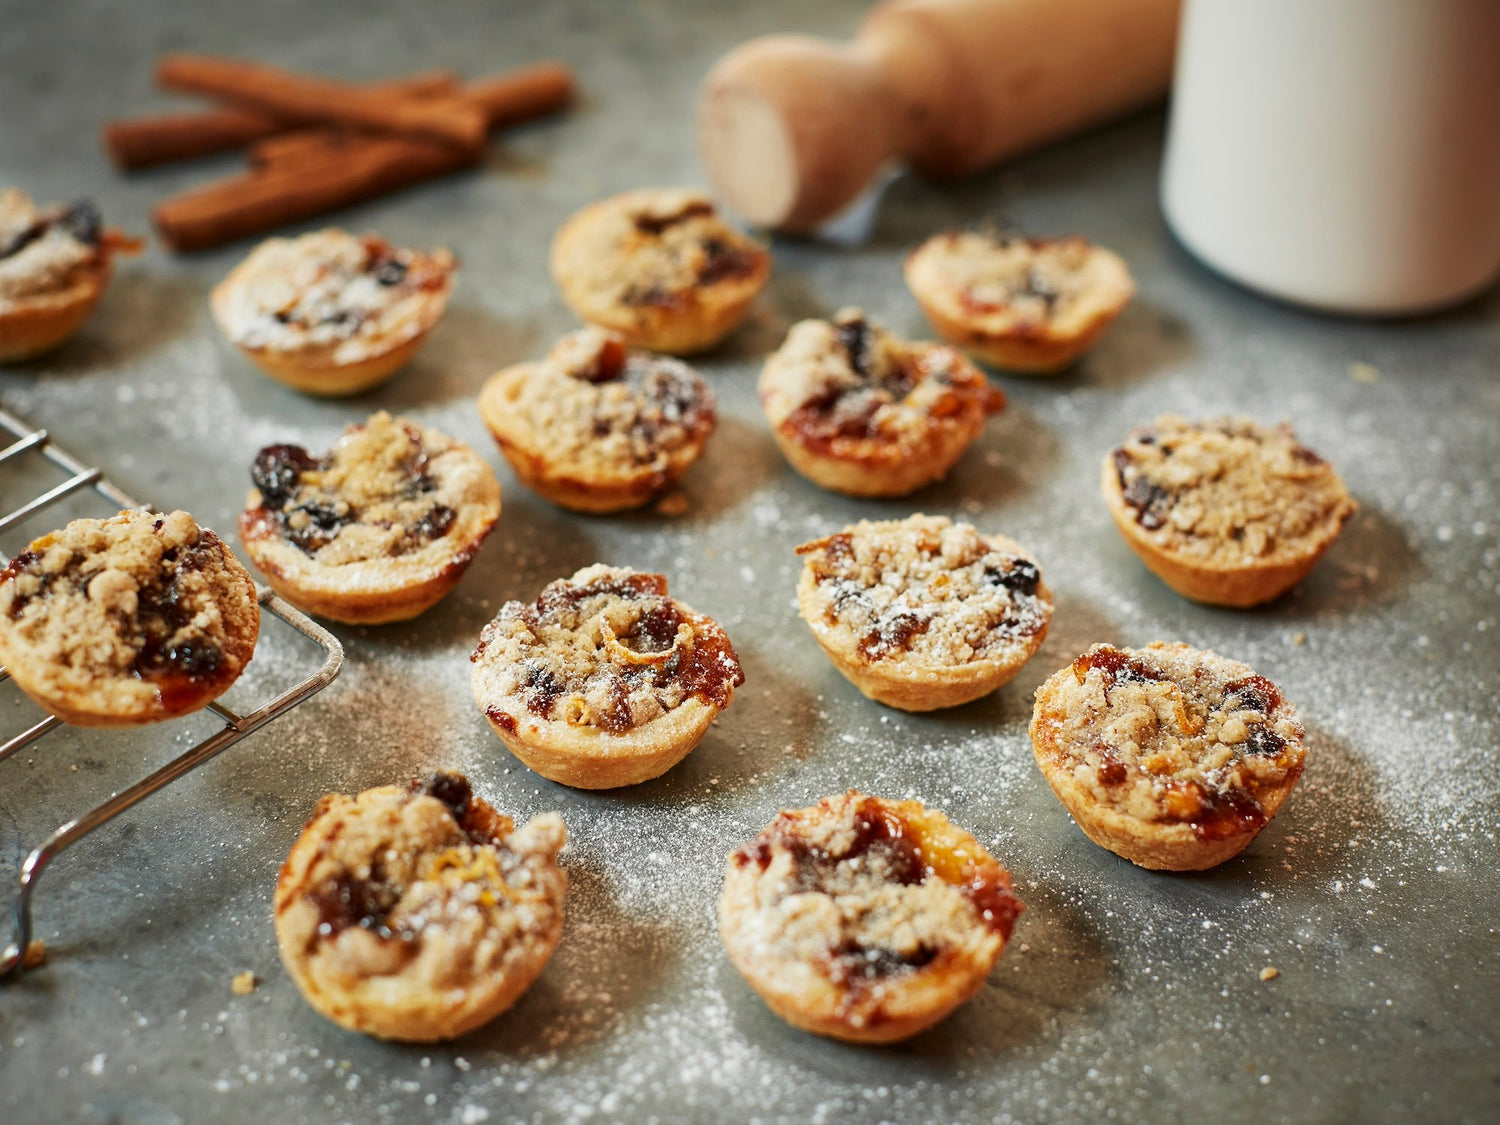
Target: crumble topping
657,248
595,403
331,289
41,249
1172,733
389,487
605,648
1229,490
427,883
851,379
153,600
928,589
857,889
1016,284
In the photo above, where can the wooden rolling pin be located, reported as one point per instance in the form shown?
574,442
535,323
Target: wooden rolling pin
792,129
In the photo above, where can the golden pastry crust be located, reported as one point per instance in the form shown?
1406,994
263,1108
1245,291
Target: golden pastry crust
923,613
378,530
332,314
660,267
864,919
856,410
55,263
418,912
1172,757
1226,512
1029,305
604,680
598,428
125,621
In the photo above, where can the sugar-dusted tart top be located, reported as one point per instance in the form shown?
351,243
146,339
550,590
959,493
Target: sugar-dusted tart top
869,892
655,248
607,649
43,250
388,489
131,612
848,380
1227,491
598,406
423,884
928,591
1010,285
1171,734
354,296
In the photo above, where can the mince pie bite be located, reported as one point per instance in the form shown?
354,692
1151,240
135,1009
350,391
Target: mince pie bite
923,613
1172,757
660,267
597,427
864,919
604,680
378,530
332,314
1226,512
417,912
54,265
127,620
1030,305
857,410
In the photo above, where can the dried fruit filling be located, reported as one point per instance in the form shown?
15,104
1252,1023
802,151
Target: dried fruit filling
612,652
348,900
886,849
1213,801
304,497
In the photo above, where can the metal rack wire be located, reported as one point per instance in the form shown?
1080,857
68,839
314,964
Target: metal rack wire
236,726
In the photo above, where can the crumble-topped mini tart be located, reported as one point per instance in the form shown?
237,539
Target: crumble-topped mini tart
1172,757
597,427
857,410
660,267
332,314
1227,512
128,620
417,912
378,530
54,265
604,680
923,613
865,919
1030,305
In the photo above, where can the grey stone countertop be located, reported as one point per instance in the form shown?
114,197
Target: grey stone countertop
1126,994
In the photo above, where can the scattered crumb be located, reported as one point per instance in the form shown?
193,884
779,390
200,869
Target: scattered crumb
36,953
1025,948
243,983
1270,972
1299,639
674,505
1364,373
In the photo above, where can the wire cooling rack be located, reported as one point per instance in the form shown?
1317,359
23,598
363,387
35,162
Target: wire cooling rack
80,477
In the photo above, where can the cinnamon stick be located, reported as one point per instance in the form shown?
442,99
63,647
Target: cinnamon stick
311,100
305,174
143,142
506,99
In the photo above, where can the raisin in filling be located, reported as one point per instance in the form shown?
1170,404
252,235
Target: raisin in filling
81,221
1150,501
850,411
656,224
709,669
162,616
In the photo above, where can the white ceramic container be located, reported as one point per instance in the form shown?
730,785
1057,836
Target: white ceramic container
1340,154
